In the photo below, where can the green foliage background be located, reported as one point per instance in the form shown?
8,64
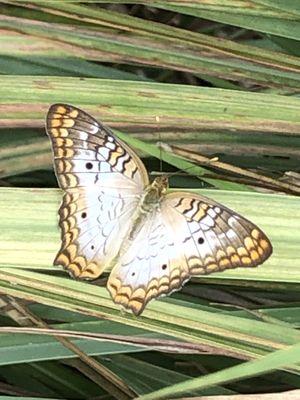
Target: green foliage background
218,77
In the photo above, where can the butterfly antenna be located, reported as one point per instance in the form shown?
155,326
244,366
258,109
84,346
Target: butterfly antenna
160,156
170,174
160,149
163,146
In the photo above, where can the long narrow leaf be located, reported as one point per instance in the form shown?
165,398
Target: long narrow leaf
278,359
150,44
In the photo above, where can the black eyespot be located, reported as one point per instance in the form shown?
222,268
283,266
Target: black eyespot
164,266
92,247
83,215
89,165
200,240
133,274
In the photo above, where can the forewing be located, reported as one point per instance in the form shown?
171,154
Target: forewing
86,153
103,181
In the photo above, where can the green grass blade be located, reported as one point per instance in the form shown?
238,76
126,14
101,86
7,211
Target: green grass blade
276,360
143,376
31,229
29,224
278,17
118,101
152,44
287,6
109,63
275,17
178,162
204,118
22,348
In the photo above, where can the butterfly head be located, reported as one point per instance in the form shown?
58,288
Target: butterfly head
161,185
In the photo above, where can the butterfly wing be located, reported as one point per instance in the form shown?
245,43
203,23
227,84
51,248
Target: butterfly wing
215,237
149,267
188,235
103,181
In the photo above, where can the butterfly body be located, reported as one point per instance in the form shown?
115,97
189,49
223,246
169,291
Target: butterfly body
112,217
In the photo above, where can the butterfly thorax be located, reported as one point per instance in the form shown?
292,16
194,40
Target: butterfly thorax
153,193
150,201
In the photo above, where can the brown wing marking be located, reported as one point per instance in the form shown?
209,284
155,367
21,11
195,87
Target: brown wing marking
136,299
69,256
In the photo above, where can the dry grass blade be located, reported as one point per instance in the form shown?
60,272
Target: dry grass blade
116,103
12,390
149,43
215,164
276,359
289,395
164,345
258,15
219,96
91,367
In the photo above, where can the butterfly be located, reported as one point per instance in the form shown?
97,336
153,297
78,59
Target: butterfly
111,216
